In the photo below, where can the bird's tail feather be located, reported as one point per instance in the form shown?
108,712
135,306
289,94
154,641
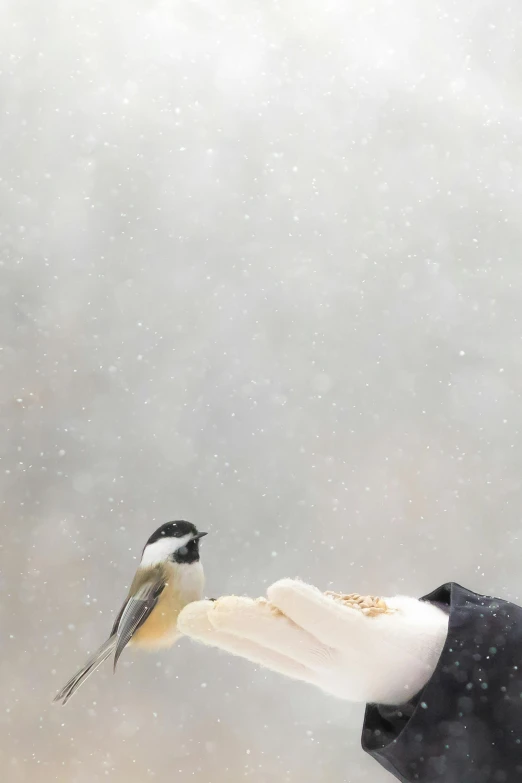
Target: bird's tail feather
101,654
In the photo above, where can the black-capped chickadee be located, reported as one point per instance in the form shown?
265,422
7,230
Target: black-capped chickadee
169,577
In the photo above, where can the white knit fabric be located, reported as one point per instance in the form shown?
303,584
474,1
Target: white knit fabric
304,634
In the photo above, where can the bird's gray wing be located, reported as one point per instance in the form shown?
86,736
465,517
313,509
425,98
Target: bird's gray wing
135,612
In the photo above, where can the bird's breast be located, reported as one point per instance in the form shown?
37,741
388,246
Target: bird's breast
185,584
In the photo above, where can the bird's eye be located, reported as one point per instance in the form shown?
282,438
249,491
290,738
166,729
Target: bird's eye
183,550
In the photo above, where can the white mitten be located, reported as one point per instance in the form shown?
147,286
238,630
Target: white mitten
361,649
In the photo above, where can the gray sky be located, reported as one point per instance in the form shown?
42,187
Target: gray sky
259,268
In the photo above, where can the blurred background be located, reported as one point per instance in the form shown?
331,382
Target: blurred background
260,269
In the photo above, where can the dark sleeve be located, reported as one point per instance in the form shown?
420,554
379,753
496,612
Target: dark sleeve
465,726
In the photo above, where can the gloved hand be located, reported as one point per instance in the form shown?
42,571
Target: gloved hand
383,651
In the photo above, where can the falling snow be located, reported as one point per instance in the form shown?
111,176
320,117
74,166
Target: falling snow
259,268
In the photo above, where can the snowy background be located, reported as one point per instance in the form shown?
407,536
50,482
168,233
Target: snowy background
260,269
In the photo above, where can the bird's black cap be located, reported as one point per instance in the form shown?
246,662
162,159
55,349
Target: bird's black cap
174,530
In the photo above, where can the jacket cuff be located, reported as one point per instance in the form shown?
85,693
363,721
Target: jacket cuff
462,725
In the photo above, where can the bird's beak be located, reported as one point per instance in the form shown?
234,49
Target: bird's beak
198,536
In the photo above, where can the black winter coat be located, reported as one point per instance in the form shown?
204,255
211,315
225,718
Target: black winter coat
465,726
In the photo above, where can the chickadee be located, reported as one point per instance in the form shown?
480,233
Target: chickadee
169,577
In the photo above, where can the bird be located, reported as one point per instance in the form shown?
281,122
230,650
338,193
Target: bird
169,577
